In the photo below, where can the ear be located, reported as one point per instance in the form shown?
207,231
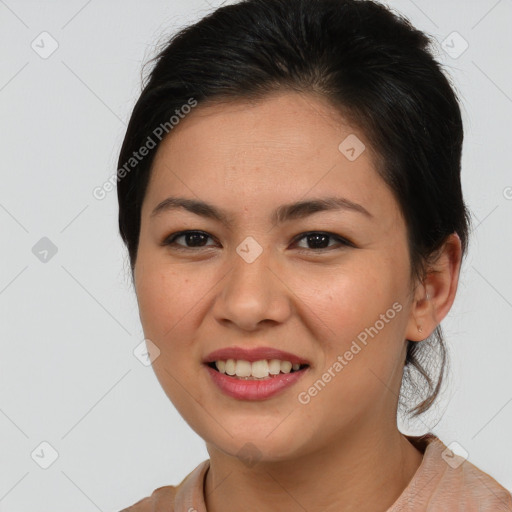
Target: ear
434,297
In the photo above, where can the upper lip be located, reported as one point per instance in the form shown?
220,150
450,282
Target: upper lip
253,354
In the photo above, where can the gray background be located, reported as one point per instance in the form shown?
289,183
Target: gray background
69,324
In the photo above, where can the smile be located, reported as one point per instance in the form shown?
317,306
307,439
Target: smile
262,369
251,387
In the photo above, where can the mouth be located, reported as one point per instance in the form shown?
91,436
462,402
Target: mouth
262,369
256,373
261,379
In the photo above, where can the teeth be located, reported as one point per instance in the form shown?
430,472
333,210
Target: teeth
274,366
258,369
286,366
243,368
230,367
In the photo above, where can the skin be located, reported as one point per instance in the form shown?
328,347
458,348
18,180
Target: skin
342,451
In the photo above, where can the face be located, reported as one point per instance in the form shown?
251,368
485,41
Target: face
330,286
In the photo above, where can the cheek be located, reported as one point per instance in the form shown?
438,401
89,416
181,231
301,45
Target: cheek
166,300
349,299
363,314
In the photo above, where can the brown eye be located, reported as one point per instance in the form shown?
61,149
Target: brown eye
319,240
192,239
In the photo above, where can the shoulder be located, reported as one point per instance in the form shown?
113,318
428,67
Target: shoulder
161,499
478,489
446,481
171,497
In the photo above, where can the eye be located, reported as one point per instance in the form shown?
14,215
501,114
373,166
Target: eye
198,239
194,238
319,239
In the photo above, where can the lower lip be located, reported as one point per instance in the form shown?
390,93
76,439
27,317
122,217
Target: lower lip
254,389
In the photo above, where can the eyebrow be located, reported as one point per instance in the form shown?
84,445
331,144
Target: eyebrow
281,214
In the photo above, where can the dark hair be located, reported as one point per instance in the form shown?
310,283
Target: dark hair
368,62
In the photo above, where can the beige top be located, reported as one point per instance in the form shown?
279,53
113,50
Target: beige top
444,482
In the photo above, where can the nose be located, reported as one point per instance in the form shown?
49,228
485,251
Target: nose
253,294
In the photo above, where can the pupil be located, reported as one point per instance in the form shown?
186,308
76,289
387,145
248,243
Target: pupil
191,237
316,240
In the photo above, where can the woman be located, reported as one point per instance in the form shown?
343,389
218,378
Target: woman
290,197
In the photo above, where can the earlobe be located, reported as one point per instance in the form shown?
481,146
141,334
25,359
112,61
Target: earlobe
435,297
422,320
420,328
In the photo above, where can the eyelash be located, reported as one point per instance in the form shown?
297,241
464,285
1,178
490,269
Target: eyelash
171,240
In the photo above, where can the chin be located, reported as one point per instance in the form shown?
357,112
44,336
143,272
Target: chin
258,446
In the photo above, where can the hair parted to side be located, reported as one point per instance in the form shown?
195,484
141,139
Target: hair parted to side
375,68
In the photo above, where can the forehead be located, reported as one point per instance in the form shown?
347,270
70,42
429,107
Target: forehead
282,125
275,150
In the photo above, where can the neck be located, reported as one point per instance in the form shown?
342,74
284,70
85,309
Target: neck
364,471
